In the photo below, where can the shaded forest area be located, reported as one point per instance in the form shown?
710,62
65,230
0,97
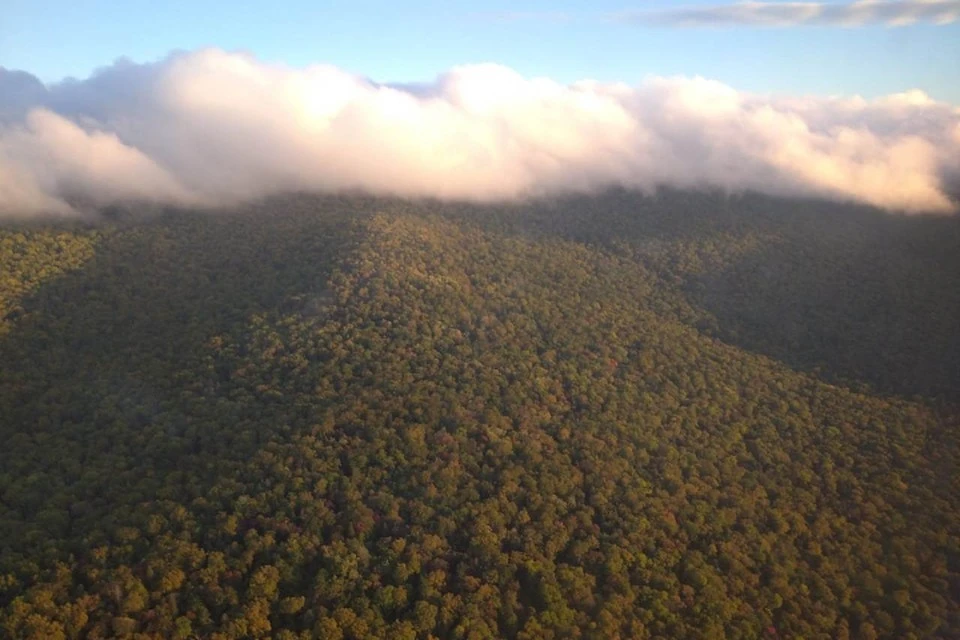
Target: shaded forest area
682,415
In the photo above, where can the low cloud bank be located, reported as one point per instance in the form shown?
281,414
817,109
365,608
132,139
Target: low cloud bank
210,128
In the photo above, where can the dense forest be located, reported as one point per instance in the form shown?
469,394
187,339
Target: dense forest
674,415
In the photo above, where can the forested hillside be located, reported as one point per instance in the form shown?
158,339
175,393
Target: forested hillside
683,415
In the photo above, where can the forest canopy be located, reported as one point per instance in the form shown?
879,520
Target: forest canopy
685,414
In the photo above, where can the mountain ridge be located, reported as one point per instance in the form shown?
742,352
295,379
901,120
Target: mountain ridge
523,421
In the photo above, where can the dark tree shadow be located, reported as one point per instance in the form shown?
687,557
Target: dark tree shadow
873,299
95,368
857,295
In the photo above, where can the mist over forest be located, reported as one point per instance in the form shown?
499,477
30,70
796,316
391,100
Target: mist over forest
211,127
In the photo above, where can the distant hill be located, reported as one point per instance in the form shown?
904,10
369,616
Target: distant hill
677,415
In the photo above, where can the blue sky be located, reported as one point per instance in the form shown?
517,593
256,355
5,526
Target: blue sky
565,40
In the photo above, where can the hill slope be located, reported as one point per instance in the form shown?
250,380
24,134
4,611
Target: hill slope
587,417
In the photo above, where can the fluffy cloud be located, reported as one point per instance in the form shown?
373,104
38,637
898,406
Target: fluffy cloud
211,128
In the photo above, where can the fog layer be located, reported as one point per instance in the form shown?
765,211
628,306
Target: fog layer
211,127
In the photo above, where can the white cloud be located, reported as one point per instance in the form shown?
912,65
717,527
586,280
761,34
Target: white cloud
212,127
892,13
